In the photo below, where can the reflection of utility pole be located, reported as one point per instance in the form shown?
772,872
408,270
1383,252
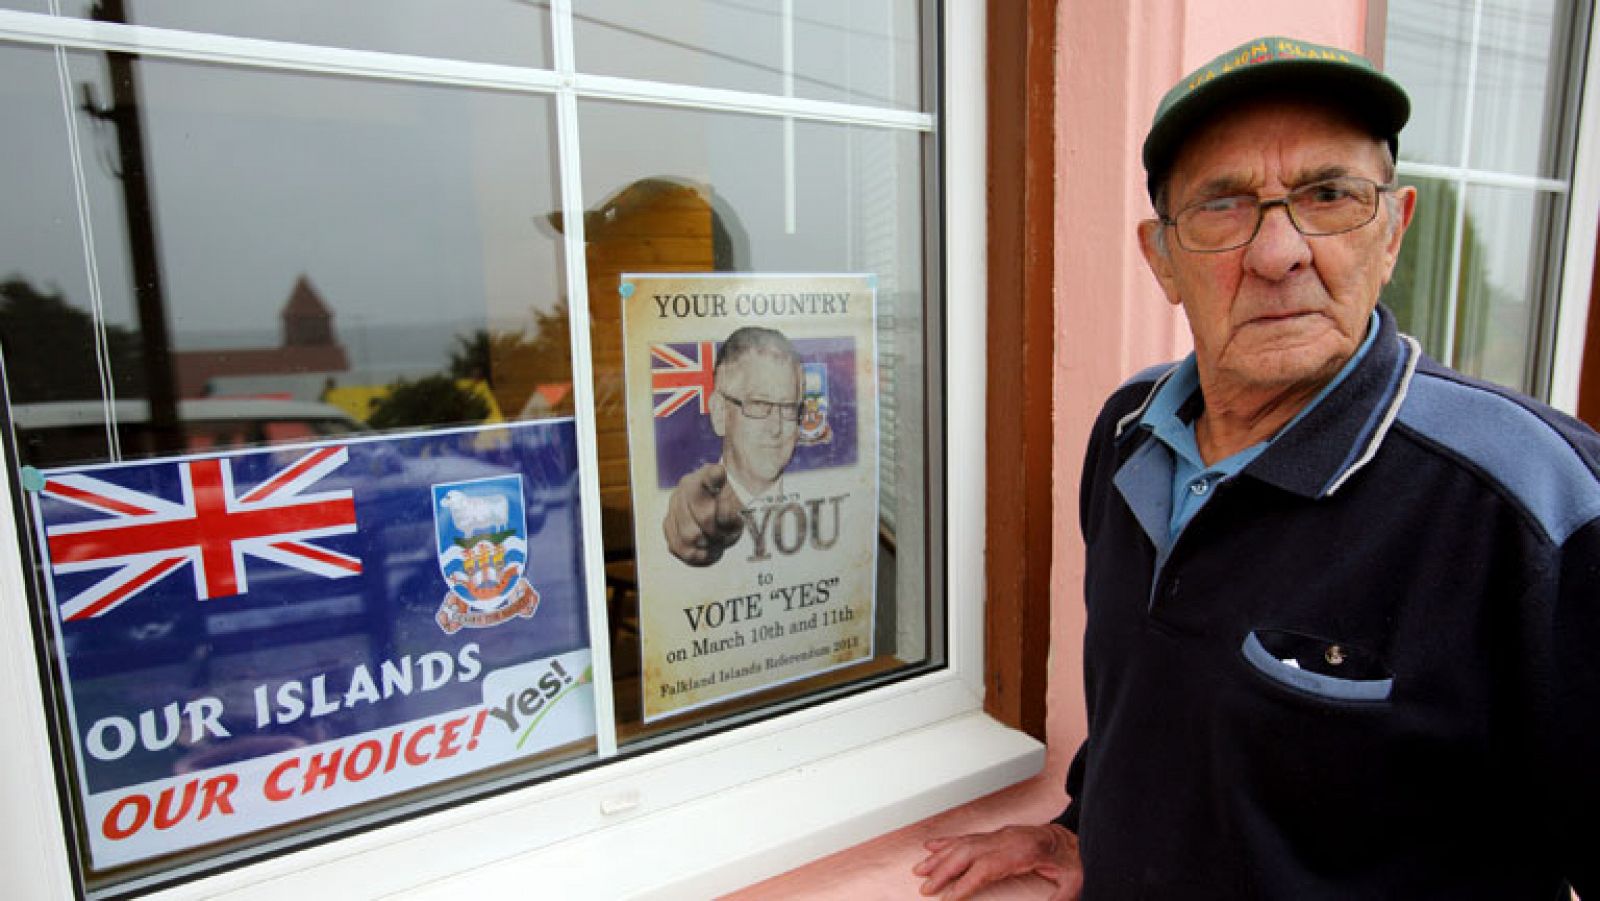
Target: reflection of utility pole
124,116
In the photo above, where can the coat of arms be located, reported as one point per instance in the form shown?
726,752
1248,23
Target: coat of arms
483,552
814,428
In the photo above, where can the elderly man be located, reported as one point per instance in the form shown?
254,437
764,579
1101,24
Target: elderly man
755,409
1342,636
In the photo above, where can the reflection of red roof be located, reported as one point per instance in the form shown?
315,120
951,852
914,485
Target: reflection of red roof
554,392
304,301
309,346
307,320
196,368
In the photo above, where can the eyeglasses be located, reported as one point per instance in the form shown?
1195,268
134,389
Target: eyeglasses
762,409
1329,207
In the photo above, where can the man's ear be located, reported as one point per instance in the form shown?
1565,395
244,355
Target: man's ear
1403,208
719,413
1159,258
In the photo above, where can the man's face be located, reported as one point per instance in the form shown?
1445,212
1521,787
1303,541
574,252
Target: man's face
756,450
1284,311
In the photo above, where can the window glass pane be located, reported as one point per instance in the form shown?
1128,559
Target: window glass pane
289,575
839,50
1501,285
1428,49
710,194
1419,293
323,240
1500,281
512,32
1519,102
43,277
31,6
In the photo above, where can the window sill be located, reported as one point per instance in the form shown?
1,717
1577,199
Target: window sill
652,826
740,836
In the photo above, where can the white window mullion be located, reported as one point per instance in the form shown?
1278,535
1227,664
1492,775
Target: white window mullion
611,87
572,228
1483,177
229,50
789,224
1459,227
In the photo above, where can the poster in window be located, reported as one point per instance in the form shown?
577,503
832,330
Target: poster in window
250,639
753,445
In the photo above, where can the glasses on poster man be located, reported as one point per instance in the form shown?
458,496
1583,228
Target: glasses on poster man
1332,206
762,409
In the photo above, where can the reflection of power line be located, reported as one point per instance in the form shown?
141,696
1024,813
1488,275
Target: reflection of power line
731,58
653,37
821,24
1442,34
126,117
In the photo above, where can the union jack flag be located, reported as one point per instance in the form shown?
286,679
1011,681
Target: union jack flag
144,537
683,372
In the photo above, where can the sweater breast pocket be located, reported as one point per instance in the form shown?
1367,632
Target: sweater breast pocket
1322,668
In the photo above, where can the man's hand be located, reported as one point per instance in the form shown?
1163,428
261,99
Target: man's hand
961,865
703,516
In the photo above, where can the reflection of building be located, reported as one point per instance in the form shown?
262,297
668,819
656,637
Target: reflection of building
309,353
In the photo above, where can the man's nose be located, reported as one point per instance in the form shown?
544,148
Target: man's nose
1279,248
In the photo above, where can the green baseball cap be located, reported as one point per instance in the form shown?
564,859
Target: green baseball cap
1273,65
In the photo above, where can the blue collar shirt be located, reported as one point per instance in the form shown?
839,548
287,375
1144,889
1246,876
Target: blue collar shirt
1171,416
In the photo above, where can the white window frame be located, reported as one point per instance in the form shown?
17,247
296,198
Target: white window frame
1583,227
694,819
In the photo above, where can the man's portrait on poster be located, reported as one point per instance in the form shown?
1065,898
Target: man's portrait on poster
756,410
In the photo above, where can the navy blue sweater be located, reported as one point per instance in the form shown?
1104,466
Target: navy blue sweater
1368,668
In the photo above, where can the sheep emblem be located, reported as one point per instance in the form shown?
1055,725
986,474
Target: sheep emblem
483,553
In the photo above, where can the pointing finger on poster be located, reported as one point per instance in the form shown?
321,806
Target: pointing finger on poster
703,516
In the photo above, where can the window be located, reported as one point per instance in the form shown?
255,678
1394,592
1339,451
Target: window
1495,88
356,301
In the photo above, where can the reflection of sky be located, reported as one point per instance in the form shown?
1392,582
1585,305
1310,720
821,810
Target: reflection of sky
513,32
417,212
844,50
39,236
1427,47
404,205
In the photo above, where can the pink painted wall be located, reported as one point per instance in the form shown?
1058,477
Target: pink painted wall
1114,62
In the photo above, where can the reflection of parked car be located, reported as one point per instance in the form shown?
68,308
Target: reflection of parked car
74,431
